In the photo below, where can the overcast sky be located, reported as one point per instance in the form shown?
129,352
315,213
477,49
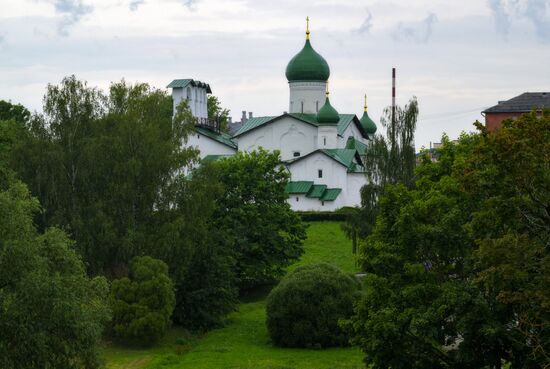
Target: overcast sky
457,57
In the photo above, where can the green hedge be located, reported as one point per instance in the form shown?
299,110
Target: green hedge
338,215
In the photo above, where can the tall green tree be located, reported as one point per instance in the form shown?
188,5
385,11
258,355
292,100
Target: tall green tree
100,165
265,234
457,266
52,314
389,159
217,113
197,251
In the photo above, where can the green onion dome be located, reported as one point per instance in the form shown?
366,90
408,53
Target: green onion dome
368,125
327,114
307,65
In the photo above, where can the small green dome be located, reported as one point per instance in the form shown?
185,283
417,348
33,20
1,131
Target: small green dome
368,125
307,65
327,114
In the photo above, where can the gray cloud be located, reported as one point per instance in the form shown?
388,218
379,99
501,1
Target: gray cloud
190,4
366,25
72,12
134,4
501,16
538,12
419,32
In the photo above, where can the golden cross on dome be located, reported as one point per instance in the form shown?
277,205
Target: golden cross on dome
326,93
365,107
307,28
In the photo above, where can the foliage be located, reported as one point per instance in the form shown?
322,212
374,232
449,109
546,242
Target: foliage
389,160
143,302
457,267
15,112
304,309
52,314
244,341
264,233
197,252
100,165
217,113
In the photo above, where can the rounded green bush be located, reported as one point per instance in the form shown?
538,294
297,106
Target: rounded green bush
143,303
304,309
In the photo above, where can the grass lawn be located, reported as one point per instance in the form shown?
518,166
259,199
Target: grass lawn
244,343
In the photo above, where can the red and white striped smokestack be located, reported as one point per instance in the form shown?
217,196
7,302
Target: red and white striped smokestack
393,87
393,94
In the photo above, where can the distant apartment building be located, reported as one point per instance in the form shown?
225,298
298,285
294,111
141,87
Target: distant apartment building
513,108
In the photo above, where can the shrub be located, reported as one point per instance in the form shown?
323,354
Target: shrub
304,309
143,303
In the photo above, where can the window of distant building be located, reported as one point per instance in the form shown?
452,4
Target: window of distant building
297,199
320,173
322,203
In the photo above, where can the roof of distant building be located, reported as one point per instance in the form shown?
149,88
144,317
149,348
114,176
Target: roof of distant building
182,83
221,137
523,103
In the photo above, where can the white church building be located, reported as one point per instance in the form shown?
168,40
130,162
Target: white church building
322,149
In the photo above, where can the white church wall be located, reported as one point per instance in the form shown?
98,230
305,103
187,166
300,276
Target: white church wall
351,131
332,173
196,98
208,146
303,203
287,135
327,137
306,97
355,181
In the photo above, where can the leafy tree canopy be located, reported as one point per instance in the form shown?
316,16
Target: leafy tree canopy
457,266
52,314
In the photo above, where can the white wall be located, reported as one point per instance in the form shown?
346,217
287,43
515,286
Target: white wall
286,135
352,195
306,204
327,137
196,98
208,146
307,169
351,131
311,94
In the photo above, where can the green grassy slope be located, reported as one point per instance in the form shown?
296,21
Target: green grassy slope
244,343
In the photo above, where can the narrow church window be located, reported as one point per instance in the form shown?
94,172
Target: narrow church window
322,203
317,106
302,106
324,141
296,154
320,173
297,199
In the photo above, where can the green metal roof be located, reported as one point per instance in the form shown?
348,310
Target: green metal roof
253,123
344,122
343,156
221,137
299,187
352,143
356,168
307,65
316,191
212,158
330,194
182,83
